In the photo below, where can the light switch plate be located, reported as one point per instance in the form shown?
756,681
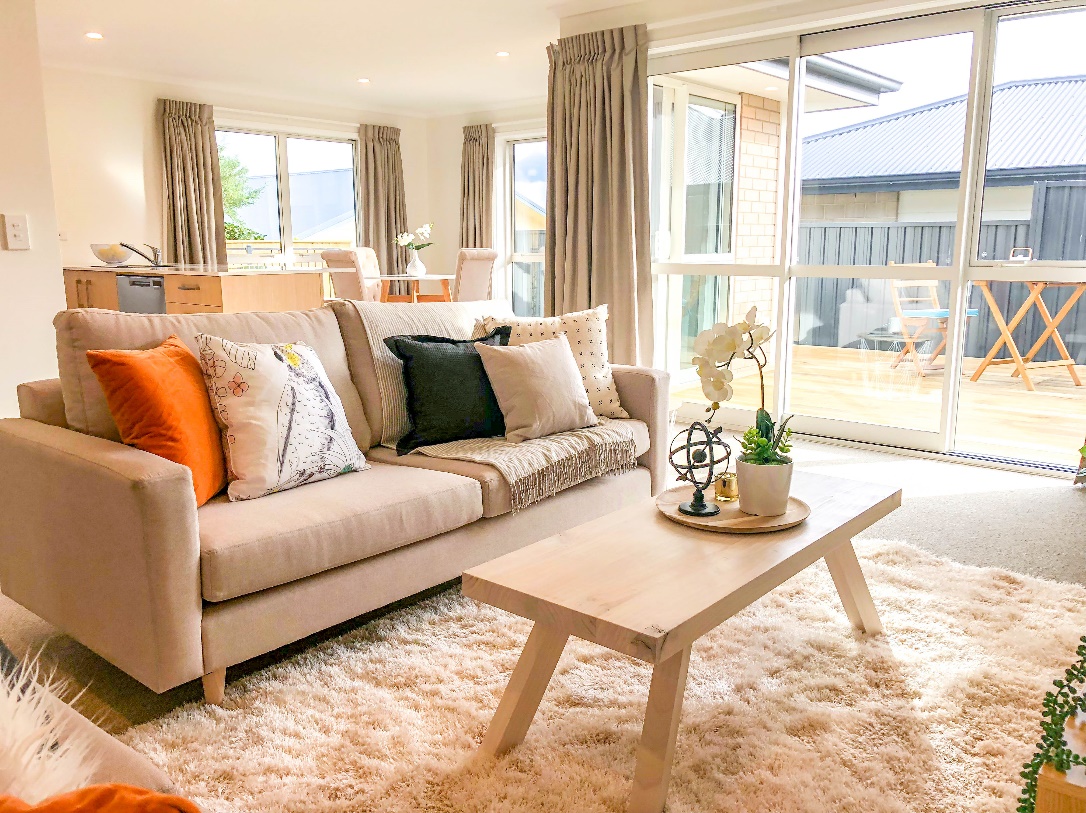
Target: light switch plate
16,232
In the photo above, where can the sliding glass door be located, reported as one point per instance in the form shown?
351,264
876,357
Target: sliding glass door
906,203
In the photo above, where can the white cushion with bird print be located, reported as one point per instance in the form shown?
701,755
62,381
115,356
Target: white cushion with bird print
587,334
283,425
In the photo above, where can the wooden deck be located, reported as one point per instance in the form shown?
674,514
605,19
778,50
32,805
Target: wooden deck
996,415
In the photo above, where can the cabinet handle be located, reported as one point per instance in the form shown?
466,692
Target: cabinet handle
188,287
79,293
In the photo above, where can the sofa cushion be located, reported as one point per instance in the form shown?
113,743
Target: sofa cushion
497,498
256,544
405,318
87,329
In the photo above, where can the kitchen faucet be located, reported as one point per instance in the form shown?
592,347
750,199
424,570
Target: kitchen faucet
155,257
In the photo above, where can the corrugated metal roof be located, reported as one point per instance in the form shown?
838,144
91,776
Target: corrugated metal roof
1035,124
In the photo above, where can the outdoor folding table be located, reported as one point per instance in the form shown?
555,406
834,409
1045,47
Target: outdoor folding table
1024,363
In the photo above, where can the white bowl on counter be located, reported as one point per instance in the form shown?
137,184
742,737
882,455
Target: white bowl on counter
111,253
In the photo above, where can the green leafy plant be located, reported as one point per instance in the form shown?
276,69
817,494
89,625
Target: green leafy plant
766,444
235,231
1052,749
1082,468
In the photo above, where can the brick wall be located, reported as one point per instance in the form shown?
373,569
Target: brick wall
756,179
850,207
756,204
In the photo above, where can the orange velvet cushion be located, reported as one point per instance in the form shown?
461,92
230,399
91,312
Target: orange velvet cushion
103,799
160,404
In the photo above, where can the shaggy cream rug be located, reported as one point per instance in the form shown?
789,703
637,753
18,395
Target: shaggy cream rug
785,710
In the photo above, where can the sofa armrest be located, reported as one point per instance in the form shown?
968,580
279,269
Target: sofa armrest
101,540
645,393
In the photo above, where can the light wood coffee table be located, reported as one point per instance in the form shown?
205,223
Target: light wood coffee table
640,584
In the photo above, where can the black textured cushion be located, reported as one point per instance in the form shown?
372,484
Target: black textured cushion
448,393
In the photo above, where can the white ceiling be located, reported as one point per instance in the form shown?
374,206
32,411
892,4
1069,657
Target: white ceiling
424,57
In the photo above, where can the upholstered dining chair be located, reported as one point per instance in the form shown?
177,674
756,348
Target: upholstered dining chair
362,281
474,274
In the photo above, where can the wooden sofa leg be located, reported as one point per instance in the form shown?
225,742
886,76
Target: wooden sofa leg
215,687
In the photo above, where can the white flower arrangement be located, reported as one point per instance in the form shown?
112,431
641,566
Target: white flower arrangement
720,345
416,240
764,443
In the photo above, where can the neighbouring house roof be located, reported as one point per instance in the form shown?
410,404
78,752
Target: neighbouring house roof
1038,132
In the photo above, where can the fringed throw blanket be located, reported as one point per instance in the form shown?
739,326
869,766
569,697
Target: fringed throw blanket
540,468
534,469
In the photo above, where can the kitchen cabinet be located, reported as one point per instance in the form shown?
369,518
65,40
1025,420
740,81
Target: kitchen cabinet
85,288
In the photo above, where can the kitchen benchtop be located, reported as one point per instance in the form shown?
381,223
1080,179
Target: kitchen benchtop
196,270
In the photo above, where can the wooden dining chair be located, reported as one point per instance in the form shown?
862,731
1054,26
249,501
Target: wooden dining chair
474,274
916,302
362,281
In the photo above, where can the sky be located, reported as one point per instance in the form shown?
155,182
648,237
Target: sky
1028,46
530,171
257,152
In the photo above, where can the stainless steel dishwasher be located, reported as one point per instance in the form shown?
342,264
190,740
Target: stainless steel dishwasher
141,294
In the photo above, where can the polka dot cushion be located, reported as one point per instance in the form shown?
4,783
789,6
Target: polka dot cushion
587,334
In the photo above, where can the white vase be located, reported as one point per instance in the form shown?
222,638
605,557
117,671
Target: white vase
763,490
415,268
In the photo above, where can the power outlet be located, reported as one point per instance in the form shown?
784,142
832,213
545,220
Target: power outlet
16,232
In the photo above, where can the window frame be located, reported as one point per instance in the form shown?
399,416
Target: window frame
679,92
505,139
287,256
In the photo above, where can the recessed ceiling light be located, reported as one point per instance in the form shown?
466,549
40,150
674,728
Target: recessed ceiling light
502,53
772,87
363,81
93,35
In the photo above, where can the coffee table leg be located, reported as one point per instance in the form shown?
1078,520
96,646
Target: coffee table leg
852,587
526,686
657,748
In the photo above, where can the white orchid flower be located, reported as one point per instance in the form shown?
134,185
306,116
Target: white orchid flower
727,344
716,388
423,231
760,335
752,315
405,239
703,340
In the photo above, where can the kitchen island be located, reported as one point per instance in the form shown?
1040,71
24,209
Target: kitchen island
193,288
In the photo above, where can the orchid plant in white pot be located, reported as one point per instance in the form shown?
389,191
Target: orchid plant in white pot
414,242
764,470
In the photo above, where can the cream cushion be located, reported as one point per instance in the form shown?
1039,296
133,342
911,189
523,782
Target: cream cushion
497,498
587,334
282,423
538,387
454,320
88,329
256,544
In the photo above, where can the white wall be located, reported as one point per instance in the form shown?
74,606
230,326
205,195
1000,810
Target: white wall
446,140
31,280
106,154
936,205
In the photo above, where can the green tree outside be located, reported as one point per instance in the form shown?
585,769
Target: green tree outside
237,191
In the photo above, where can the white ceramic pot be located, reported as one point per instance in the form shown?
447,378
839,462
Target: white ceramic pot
415,268
763,490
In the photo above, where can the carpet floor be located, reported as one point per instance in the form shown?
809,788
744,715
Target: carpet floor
785,708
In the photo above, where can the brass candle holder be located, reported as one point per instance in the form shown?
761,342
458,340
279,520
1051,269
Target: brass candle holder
727,488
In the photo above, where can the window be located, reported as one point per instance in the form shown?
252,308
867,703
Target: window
526,219
692,211
286,198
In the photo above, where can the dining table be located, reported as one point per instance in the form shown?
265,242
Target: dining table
413,294
1024,362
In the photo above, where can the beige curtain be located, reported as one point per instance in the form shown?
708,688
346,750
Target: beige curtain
477,187
381,196
192,188
598,185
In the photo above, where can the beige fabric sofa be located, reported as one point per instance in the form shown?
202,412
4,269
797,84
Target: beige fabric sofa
106,542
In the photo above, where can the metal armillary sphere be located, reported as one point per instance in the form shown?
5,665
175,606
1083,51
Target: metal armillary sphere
700,458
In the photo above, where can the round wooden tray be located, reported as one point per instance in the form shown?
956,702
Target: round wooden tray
730,520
